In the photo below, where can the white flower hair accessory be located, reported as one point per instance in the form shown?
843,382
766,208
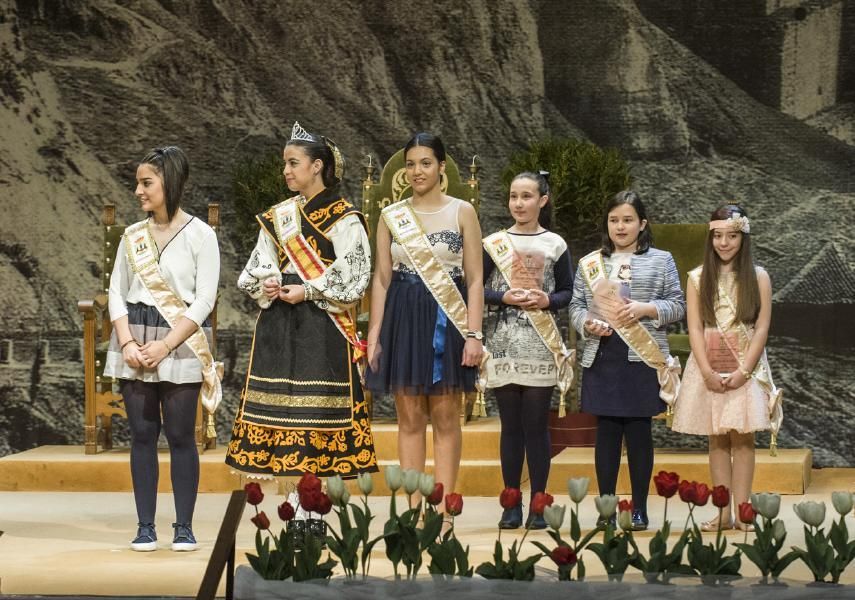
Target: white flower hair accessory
734,222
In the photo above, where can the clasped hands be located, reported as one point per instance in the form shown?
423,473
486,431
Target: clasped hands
526,299
721,384
290,293
147,355
625,312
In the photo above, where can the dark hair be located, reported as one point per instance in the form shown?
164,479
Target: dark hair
427,139
541,178
171,164
645,236
748,292
320,149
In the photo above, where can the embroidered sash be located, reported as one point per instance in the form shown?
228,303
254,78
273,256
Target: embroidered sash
142,256
500,247
726,322
287,222
637,337
407,231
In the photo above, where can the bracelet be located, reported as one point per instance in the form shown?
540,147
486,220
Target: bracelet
745,373
130,341
168,347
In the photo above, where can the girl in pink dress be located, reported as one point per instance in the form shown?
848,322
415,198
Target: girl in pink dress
726,385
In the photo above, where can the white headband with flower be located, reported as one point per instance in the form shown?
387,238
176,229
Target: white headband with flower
733,223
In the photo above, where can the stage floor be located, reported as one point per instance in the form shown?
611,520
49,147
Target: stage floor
76,543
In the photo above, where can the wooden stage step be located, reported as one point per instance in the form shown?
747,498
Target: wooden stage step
68,469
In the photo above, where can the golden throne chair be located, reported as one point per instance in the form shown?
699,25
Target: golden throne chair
392,187
101,403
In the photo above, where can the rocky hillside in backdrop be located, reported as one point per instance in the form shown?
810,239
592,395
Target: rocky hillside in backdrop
89,85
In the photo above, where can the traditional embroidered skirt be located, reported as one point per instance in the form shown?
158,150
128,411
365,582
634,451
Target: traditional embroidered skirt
415,356
302,408
615,387
147,325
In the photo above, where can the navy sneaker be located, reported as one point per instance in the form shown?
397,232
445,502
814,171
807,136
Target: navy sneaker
183,541
511,518
146,539
639,520
535,522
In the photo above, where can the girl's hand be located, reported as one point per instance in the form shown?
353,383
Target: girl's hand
153,352
536,299
735,380
515,296
472,351
372,354
597,328
132,356
714,383
271,287
292,293
631,312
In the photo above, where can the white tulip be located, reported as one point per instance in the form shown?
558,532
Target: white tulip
606,505
393,477
426,483
554,516
768,505
779,530
812,513
578,488
411,481
365,483
842,502
335,489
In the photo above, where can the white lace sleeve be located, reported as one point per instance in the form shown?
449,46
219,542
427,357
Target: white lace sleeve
262,264
345,281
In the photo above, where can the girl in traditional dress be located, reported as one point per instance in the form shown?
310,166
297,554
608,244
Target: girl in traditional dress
302,409
162,291
424,341
624,296
727,391
528,281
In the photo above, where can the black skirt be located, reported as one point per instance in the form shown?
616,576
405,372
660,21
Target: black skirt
302,408
415,357
615,387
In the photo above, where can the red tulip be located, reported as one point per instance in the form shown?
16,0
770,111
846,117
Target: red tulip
666,483
563,555
687,491
746,513
261,521
625,506
323,505
703,493
510,497
310,499
436,496
286,511
540,501
720,496
454,504
308,482
254,495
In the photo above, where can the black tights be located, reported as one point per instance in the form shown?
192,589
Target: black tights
639,453
143,403
524,412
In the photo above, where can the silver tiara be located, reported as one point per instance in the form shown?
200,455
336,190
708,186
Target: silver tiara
298,133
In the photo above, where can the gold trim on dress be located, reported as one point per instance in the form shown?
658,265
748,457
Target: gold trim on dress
303,382
291,400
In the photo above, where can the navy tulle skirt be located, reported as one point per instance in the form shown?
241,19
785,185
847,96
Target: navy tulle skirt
414,358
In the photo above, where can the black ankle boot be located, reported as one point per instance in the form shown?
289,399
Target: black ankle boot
535,522
511,518
639,520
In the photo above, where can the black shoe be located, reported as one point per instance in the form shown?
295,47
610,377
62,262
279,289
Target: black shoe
511,518
602,521
318,529
146,540
535,522
183,541
639,520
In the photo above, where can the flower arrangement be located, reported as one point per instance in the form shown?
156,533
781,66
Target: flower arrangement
421,529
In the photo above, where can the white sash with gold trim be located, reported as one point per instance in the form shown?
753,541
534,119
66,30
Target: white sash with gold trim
407,231
725,312
308,265
141,253
637,337
500,247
